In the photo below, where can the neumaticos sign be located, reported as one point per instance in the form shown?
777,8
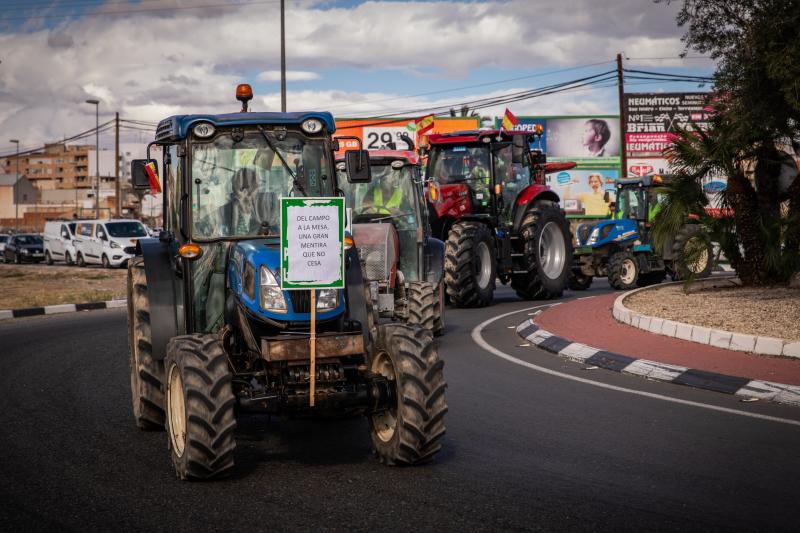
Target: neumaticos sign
652,119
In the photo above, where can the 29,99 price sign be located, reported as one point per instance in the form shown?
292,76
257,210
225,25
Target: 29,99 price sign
379,138
312,243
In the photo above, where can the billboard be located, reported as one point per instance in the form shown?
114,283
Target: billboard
585,192
377,133
590,141
651,119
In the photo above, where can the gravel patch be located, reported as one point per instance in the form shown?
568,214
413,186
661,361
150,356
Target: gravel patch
764,311
36,285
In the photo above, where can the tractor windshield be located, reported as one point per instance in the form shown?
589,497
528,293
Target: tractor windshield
455,164
630,203
237,183
389,196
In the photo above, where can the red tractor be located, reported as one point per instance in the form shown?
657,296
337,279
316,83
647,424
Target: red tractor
488,202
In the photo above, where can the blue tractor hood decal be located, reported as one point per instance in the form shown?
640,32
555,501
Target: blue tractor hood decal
266,252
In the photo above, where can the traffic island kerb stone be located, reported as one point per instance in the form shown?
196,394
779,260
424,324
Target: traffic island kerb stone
729,340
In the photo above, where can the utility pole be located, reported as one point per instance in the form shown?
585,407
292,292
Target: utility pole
623,121
283,60
116,165
97,156
16,189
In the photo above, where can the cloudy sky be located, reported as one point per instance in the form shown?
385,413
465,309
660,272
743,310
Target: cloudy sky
148,59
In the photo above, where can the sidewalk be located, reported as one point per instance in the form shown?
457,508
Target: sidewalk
589,321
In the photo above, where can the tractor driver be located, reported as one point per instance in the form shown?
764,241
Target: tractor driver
386,194
479,174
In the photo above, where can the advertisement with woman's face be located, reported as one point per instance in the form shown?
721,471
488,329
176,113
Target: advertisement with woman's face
585,192
588,139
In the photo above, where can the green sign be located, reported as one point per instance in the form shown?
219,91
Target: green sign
312,243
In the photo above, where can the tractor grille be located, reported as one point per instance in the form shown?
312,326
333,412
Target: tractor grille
583,233
377,248
164,129
301,301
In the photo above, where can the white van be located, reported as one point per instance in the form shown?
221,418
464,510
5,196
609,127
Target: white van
59,241
110,243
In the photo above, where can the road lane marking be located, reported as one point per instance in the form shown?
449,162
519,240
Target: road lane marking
479,340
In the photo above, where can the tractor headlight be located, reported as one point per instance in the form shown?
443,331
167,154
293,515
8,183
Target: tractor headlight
327,299
271,294
311,125
593,235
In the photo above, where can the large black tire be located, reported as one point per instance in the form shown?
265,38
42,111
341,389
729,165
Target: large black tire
578,281
689,241
469,265
421,305
623,271
548,253
200,402
438,318
410,431
147,374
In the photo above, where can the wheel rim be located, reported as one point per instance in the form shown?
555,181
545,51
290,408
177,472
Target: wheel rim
552,250
385,423
484,265
177,411
628,272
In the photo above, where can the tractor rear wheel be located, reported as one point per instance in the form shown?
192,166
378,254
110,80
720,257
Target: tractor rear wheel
409,431
696,250
421,304
438,319
547,253
469,265
578,281
147,373
200,401
623,271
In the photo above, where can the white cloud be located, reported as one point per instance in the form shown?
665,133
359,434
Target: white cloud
291,75
150,65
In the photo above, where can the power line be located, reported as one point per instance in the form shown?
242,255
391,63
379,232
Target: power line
487,84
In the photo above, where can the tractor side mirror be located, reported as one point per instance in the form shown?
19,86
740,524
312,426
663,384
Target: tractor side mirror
519,148
357,165
139,178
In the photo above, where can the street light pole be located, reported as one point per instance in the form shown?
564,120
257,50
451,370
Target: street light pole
283,61
16,187
97,156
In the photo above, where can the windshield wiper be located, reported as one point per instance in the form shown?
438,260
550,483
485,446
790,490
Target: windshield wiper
295,181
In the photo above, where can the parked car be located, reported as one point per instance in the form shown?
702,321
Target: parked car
3,241
110,243
59,241
26,247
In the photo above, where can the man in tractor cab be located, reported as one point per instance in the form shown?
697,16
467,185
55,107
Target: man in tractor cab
385,196
478,161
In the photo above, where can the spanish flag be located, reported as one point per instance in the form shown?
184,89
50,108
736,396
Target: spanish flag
509,121
424,124
150,169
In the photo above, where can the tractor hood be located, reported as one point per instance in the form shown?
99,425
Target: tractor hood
606,231
250,284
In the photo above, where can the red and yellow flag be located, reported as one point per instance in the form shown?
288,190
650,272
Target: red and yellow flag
424,124
509,121
155,186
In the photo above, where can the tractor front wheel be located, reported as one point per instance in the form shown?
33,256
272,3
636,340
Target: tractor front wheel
469,265
623,271
409,431
438,319
200,401
421,304
147,373
547,253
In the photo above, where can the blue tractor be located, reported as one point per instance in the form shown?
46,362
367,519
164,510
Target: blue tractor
622,248
212,334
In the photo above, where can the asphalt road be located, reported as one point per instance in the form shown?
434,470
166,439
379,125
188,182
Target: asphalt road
524,449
